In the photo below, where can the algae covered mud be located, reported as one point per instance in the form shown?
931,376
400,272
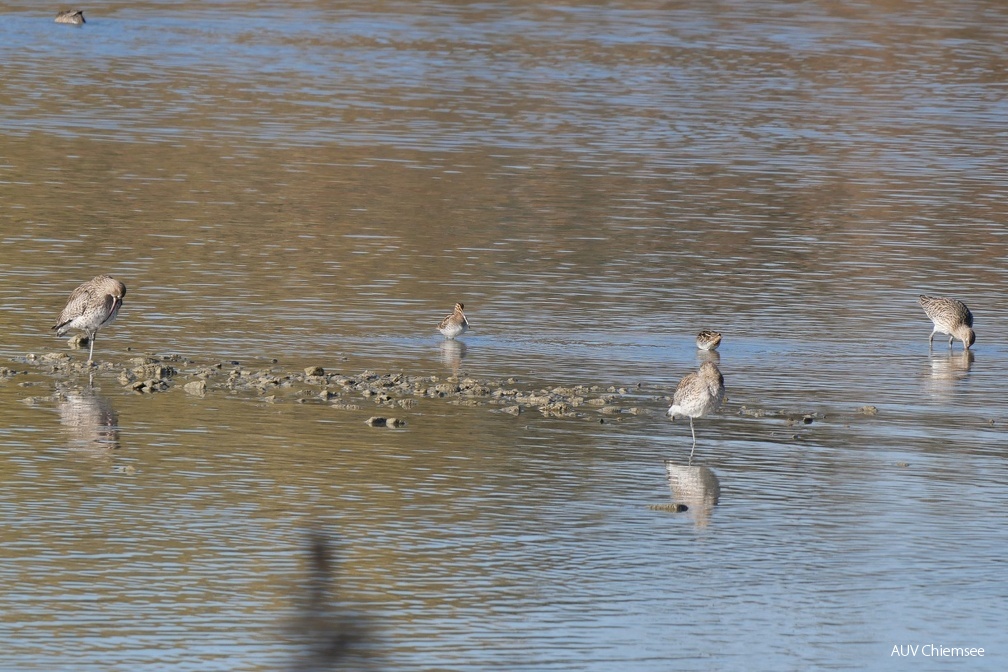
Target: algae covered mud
369,392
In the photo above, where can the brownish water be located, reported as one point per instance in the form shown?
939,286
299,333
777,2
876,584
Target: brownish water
596,183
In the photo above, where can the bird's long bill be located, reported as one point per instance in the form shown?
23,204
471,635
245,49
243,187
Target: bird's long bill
113,309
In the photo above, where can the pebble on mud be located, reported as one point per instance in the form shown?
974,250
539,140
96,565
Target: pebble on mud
149,386
197,388
376,421
78,341
868,410
314,371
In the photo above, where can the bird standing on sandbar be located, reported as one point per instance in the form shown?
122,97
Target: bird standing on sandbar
90,307
951,317
72,16
708,340
698,394
455,324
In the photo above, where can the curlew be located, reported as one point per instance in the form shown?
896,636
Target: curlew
90,307
697,395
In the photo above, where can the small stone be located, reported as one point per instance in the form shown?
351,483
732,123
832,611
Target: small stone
155,385
443,389
78,341
314,371
512,410
376,421
395,422
868,410
671,507
197,388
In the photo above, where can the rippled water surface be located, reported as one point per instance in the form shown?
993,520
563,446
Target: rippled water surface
317,184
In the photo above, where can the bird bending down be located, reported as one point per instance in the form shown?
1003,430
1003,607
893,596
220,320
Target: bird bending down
90,307
698,394
708,340
71,16
950,317
455,324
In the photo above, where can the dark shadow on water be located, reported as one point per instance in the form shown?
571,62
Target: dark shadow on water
326,632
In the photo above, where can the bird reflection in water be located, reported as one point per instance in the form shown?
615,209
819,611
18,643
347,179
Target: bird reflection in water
452,354
947,370
327,633
708,356
90,421
695,490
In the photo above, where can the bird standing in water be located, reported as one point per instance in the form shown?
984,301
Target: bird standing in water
455,324
950,317
708,340
90,307
72,16
698,394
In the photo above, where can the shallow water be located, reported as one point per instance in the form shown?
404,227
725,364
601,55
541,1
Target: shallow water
597,184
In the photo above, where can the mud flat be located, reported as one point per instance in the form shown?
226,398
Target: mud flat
388,398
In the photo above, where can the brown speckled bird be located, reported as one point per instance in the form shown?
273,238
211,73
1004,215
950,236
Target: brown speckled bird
72,16
90,307
455,324
708,340
950,317
698,394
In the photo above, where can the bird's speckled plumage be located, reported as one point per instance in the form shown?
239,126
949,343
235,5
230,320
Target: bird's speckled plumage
90,307
698,394
950,317
708,340
455,324
71,16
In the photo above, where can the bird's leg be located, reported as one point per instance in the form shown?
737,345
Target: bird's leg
951,340
694,439
91,339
